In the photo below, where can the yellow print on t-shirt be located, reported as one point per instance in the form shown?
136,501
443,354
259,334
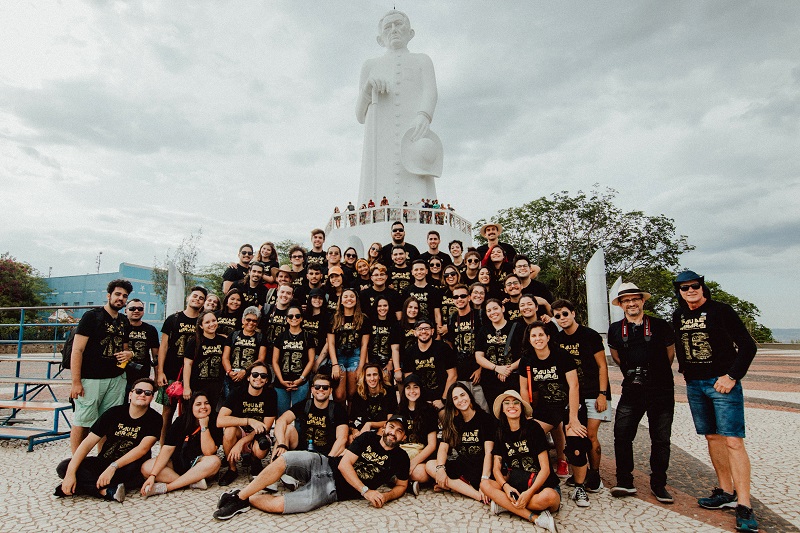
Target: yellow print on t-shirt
127,431
695,339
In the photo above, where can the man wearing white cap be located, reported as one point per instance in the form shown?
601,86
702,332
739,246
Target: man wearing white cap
644,348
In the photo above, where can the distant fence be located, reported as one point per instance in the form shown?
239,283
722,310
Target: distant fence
406,214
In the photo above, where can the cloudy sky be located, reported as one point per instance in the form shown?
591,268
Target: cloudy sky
125,126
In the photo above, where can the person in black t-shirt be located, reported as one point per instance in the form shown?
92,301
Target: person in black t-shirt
142,341
246,418
644,348
238,271
189,454
433,250
251,287
244,347
428,295
399,241
384,342
470,431
202,360
433,361
527,273
229,317
491,232
422,425
523,483
318,424
178,328
373,403
99,355
586,347
316,256
371,461
348,343
461,330
130,431
498,346
292,360
550,373
379,275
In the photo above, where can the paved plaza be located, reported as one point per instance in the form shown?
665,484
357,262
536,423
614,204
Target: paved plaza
772,393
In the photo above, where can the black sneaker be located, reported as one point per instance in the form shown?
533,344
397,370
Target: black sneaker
226,497
593,482
719,499
231,508
623,489
662,495
570,482
255,466
228,478
745,519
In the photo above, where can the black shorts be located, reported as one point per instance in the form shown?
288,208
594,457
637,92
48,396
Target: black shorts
465,470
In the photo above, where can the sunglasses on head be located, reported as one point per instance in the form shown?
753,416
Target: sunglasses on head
136,309
146,392
322,387
696,285
294,315
262,375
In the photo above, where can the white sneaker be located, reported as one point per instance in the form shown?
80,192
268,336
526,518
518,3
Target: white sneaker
201,485
273,488
415,488
580,497
289,482
119,493
496,509
546,521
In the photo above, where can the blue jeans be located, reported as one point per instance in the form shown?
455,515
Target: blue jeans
286,399
716,413
659,405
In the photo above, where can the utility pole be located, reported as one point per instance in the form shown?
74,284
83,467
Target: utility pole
99,256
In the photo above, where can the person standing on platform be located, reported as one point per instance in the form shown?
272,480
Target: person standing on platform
238,271
399,239
143,342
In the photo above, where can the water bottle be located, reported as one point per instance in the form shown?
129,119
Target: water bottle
311,445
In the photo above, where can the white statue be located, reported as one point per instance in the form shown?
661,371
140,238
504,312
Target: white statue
397,98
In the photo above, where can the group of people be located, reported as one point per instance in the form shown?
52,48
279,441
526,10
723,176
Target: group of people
425,217
458,370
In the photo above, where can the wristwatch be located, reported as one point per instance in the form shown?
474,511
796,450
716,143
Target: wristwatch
605,393
364,490
114,464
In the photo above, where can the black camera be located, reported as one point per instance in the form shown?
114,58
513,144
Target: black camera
636,376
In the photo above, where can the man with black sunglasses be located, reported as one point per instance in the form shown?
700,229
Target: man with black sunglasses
130,431
142,341
315,425
714,353
399,239
238,271
246,418
461,328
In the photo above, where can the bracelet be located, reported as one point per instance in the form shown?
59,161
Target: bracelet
484,477
503,486
730,378
438,467
282,446
364,490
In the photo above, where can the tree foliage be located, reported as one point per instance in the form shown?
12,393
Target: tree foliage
561,233
211,276
185,259
282,248
747,311
21,285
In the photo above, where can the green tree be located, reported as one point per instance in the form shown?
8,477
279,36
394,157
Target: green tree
747,311
282,248
185,259
211,276
561,233
21,285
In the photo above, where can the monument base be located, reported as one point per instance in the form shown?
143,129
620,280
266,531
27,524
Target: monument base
362,227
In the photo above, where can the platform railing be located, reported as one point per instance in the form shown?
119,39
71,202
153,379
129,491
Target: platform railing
406,214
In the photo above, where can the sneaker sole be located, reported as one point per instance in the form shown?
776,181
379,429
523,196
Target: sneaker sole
119,494
747,529
618,492
664,500
730,505
595,490
219,515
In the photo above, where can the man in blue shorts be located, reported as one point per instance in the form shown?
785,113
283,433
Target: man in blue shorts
714,353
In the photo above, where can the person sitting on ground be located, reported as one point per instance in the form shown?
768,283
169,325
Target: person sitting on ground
371,461
316,425
189,454
422,424
523,483
128,432
373,403
470,431
246,419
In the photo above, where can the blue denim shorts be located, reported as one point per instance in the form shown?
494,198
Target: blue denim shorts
349,359
716,413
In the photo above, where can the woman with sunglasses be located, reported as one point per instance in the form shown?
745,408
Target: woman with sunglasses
316,321
362,280
268,254
229,317
451,278
523,483
470,431
373,403
477,299
422,423
435,272
202,359
472,263
374,253
384,343
292,361
348,343
189,454
550,373
349,265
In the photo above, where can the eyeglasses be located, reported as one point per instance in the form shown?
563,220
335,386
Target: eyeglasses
259,375
450,274
696,285
565,314
140,309
423,328
146,392
460,296
294,316
511,283
374,249
350,255
244,252
510,403
473,261
251,320
322,387
630,300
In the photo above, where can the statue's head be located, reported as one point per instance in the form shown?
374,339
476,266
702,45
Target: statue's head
394,30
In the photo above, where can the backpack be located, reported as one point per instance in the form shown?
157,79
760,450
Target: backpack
66,351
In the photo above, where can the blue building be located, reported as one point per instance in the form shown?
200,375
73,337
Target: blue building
90,289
